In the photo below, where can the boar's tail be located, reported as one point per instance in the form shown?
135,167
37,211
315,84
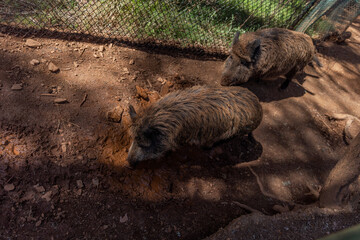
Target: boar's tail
315,59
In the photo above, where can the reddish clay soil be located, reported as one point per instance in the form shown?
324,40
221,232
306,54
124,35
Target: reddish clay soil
63,173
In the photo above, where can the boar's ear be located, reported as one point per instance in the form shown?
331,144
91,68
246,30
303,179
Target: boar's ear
132,112
254,48
236,38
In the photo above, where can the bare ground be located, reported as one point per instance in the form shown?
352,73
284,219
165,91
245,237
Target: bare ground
63,172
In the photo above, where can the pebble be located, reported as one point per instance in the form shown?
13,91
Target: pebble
39,189
38,223
34,62
9,187
32,43
16,87
115,115
140,92
101,48
124,218
79,184
131,62
60,100
53,68
47,196
95,182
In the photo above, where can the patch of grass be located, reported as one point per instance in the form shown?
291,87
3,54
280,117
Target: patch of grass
203,22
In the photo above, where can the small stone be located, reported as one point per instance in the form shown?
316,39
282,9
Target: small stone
101,48
43,60
80,157
131,62
164,90
95,182
161,80
16,87
76,64
63,147
117,98
78,192
32,43
9,187
105,227
124,218
39,189
34,62
38,223
60,100
29,195
47,196
125,70
79,184
53,68
140,92
115,115
153,96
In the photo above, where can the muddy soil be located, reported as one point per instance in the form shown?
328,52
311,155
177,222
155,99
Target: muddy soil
64,139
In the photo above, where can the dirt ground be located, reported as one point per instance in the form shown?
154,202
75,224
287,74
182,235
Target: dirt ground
63,173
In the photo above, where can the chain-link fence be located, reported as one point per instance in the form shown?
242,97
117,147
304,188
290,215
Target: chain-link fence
331,18
206,25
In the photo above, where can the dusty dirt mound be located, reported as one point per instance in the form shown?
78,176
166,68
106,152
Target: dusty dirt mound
64,140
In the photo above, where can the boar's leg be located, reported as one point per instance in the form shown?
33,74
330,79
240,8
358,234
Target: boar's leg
289,76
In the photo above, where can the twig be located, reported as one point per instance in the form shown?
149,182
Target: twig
82,52
246,207
84,99
58,127
48,95
149,83
248,164
262,189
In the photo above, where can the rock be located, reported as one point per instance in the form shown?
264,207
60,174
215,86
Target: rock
47,196
60,100
164,90
115,115
38,223
124,218
9,187
39,189
131,62
95,182
161,80
140,92
34,62
53,68
153,96
126,71
101,48
29,195
16,87
32,43
63,147
352,128
76,64
79,184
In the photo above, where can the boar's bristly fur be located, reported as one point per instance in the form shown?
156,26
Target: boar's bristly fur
200,115
267,54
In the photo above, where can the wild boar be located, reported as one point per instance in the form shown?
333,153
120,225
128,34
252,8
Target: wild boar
201,116
267,54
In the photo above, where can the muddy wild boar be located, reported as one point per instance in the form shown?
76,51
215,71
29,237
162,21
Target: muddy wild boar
201,116
267,54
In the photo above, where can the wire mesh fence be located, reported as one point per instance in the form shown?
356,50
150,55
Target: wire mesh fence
331,19
203,24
